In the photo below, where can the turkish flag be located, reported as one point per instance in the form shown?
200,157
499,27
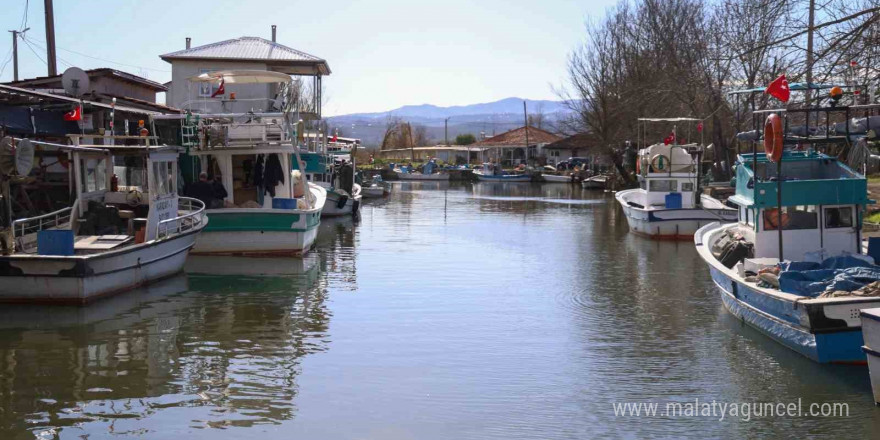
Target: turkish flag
220,90
334,139
74,115
779,89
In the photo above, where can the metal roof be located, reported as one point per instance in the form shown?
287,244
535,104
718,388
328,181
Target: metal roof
18,96
94,73
253,49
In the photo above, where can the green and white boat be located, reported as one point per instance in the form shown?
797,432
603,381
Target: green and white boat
260,216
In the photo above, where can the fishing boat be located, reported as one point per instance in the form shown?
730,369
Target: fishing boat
430,171
792,265
557,178
335,173
127,227
270,209
599,181
494,173
668,204
870,319
376,188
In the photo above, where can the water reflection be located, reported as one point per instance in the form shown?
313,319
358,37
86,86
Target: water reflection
194,351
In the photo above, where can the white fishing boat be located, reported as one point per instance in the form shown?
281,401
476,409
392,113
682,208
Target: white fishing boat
270,209
128,227
343,194
376,188
493,173
599,181
668,203
557,178
870,319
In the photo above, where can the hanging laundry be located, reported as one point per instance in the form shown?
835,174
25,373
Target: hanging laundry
274,174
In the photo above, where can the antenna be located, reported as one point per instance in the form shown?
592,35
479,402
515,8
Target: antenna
75,81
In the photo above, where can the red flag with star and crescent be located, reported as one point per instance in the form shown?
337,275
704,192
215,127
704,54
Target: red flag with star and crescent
74,115
779,89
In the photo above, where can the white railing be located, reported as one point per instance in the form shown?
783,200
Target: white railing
26,227
192,219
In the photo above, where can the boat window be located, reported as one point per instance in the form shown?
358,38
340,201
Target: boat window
841,217
663,185
94,174
163,180
793,218
130,172
687,186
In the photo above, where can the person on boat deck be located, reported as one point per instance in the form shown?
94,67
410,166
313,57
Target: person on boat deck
205,191
219,189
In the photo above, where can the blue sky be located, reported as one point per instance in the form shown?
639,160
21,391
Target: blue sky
383,53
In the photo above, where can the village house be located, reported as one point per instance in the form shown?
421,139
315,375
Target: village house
244,53
512,147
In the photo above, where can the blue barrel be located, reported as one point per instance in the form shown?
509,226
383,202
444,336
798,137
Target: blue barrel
282,203
55,242
673,201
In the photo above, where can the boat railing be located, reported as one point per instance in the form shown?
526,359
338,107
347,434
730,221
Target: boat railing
193,218
23,229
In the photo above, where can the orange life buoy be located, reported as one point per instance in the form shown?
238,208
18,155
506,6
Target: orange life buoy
773,137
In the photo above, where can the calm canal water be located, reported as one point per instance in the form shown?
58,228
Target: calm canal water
448,312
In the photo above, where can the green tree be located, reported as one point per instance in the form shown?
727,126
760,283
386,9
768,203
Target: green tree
465,139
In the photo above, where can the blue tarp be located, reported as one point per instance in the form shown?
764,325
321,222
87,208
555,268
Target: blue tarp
836,273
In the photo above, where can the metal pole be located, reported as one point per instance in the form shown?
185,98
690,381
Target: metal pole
779,204
526,120
50,38
446,132
810,27
14,55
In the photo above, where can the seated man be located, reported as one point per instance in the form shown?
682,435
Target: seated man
205,191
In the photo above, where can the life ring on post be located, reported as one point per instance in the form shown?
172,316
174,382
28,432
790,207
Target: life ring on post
773,140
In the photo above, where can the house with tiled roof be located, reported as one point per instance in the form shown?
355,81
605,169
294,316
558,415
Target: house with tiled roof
517,146
244,53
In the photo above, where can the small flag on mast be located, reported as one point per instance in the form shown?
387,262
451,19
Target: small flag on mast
220,90
779,89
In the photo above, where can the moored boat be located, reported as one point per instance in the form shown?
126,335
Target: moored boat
270,208
668,203
493,173
430,172
122,231
557,178
791,266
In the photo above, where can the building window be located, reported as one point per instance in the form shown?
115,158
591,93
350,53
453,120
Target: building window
841,217
206,89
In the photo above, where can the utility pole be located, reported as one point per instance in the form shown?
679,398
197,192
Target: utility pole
810,28
14,55
446,131
50,38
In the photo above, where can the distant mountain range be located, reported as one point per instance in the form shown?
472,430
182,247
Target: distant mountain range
485,118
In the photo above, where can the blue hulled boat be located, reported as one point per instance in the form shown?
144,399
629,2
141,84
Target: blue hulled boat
805,292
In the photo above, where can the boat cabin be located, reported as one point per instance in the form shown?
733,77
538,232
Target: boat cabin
822,204
667,177
125,194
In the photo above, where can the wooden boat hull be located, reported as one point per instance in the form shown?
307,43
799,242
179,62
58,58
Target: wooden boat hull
594,183
375,192
332,207
81,279
827,332
670,224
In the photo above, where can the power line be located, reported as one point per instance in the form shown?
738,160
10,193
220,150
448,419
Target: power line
28,44
6,63
105,60
25,16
